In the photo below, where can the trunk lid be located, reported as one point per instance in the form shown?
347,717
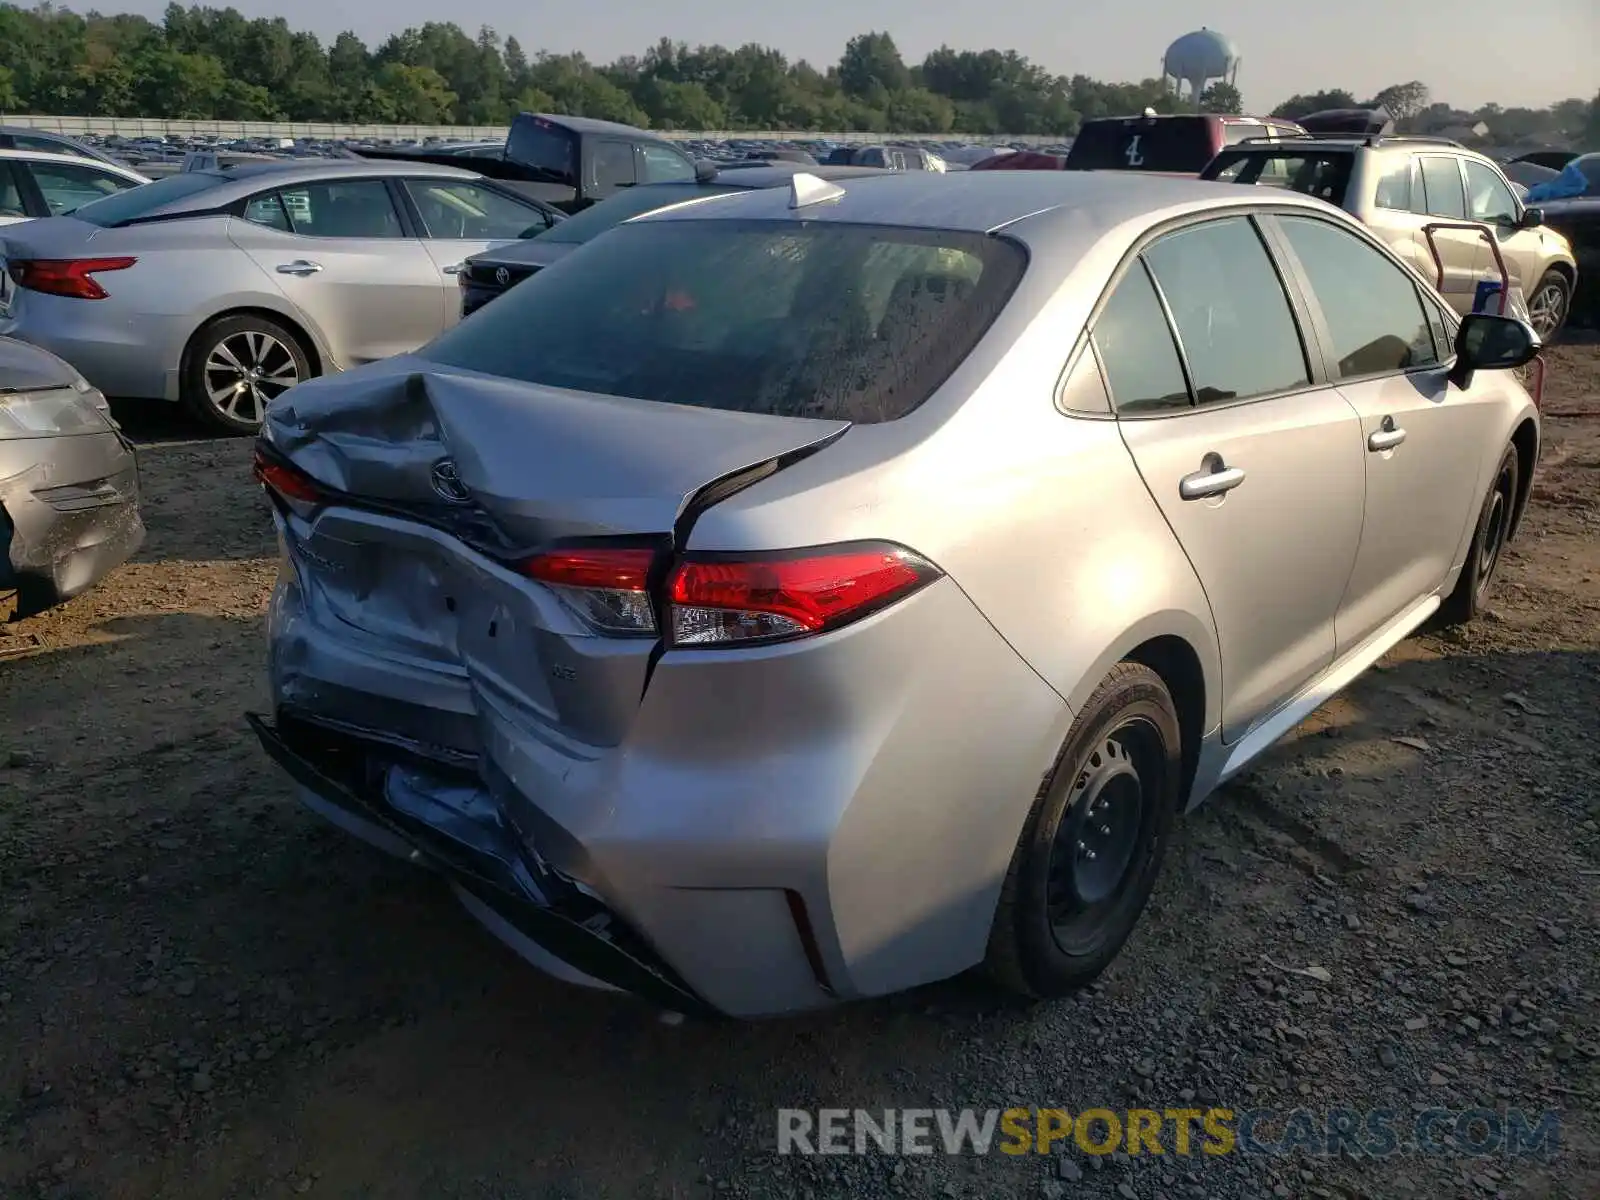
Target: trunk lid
408,575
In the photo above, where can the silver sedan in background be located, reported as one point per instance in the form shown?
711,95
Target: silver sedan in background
69,482
224,288
819,591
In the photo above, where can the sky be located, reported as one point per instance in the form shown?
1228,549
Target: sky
1539,52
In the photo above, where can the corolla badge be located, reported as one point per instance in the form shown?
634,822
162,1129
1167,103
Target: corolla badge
447,482
502,276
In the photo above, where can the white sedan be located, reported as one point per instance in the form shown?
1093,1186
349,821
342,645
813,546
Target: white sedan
34,183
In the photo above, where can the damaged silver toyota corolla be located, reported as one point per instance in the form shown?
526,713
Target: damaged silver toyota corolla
69,482
816,592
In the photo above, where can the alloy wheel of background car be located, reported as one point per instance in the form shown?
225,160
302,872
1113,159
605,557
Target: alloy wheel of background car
1547,307
237,366
1088,859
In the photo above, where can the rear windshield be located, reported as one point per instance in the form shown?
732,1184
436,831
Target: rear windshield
843,322
538,143
1321,173
597,218
1138,144
136,202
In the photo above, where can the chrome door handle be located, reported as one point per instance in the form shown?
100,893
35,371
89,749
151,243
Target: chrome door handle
299,266
1212,479
1386,439
454,268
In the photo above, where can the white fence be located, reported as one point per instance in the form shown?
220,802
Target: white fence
131,127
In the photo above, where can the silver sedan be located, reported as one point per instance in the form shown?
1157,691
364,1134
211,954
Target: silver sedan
224,288
815,592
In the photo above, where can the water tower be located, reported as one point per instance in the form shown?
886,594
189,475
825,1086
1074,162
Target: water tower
1198,59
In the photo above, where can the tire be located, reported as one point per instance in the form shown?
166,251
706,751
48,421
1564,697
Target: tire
1128,724
217,368
1488,542
1550,304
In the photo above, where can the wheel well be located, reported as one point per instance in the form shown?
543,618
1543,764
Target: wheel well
307,342
1566,272
1175,661
1526,441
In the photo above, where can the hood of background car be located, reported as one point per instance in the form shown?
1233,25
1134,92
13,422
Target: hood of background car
25,368
533,253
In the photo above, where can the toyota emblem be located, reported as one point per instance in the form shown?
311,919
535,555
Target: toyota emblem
502,276
447,482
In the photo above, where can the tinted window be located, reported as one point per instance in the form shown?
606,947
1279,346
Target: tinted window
10,192
455,209
146,198
1318,173
1489,198
1232,315
268,210
1372,308
1135,346
1394,187
612,164
661,164
596,219
536,143
67,187
816,319
1442,178
347,208
1136,144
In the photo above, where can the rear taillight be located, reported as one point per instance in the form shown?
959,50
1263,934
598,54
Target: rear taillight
290,484
74,277
732,599
608,588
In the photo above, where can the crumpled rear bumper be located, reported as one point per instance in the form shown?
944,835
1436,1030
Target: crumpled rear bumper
383,794
69,514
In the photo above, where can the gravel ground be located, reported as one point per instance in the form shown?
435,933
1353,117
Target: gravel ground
203,992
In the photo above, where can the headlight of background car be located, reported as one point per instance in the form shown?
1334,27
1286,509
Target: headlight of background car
53,413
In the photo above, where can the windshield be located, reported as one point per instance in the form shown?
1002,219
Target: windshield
136,202
820,319
631,202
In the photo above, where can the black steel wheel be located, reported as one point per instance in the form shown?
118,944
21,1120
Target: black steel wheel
1088,859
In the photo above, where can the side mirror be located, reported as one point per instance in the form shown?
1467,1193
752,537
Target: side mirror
1532,218
1486,342
704,170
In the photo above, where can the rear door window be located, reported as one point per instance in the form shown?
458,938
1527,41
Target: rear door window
844,322
1232,314
343,208
611,164
1394,187
1441,175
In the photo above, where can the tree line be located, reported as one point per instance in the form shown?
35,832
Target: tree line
214,64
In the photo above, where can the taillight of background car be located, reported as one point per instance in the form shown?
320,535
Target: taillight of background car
73,277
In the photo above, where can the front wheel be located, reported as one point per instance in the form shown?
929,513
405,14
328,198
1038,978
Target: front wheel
1489,538
236,365
1089,856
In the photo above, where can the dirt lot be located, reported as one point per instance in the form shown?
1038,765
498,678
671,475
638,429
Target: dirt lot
205,993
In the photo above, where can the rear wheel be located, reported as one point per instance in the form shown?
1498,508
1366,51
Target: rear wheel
1549,305
1089,856
1471,592
236,365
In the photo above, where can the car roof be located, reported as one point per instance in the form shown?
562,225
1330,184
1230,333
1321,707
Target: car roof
776,174
50,156
984,201
593,125
247,178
